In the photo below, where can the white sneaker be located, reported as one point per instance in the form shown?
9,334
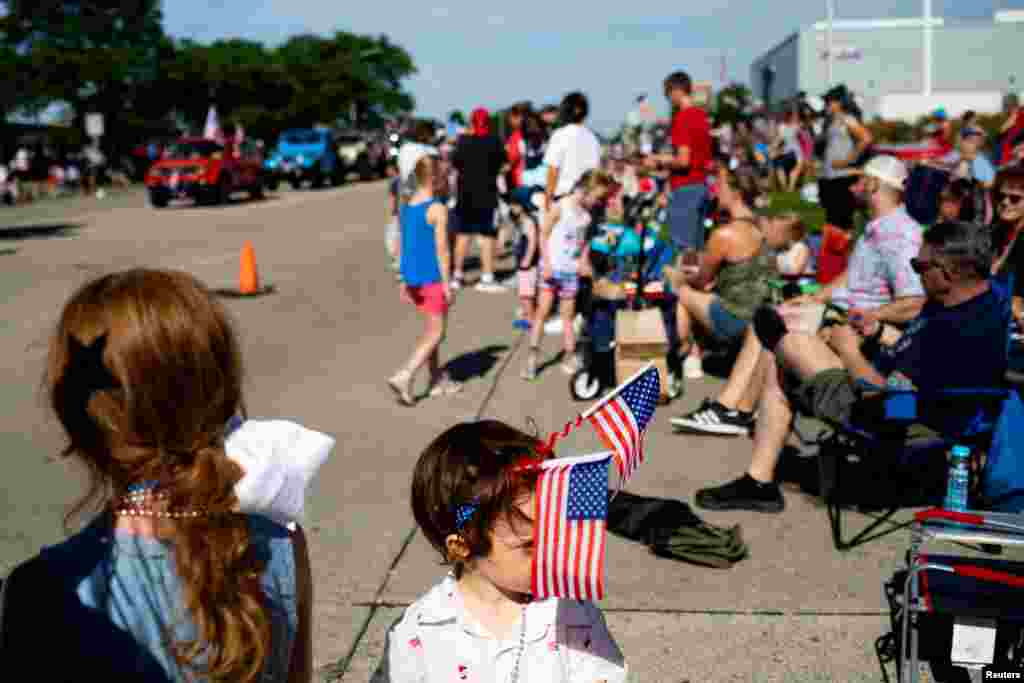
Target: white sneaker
553,326
577,324
491,287
693,367
455,283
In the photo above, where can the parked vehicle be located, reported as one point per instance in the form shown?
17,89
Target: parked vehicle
304,155
205,171
362,153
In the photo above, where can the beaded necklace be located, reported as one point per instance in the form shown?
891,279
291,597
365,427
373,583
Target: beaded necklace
522,646
139,503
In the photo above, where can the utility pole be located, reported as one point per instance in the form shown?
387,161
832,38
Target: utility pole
927,52
831,14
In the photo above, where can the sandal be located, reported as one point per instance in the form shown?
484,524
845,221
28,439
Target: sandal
401,384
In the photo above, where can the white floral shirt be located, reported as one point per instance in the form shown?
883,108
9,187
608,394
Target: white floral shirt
437,641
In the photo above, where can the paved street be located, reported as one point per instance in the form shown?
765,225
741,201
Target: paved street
318,351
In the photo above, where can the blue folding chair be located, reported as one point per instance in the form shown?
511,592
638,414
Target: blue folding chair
878,451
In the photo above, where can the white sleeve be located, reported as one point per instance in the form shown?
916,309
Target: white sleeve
555,154
403,654
593,653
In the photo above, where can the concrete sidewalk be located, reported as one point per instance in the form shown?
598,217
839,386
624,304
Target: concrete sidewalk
318,351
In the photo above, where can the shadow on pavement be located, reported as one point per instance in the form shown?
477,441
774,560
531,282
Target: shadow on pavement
185,205
38,232
475,363
8,252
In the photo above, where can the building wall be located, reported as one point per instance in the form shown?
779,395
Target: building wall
877,62
784,58
978,57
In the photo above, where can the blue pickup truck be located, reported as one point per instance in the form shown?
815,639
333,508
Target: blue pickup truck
304,155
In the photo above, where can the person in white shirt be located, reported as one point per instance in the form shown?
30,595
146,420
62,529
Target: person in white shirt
572,151
480,622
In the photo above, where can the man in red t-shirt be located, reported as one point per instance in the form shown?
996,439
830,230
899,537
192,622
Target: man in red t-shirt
688,164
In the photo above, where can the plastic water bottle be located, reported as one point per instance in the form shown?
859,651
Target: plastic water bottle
959,479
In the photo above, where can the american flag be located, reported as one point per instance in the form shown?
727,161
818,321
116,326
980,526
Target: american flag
571,521
621,421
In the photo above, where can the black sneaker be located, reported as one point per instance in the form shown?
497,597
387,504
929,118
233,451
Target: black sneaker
744,493
714,418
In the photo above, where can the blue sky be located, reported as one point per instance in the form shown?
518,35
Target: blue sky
492,54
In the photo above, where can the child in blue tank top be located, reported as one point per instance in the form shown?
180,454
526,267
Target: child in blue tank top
425,269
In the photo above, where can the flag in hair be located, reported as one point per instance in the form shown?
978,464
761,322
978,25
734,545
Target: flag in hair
570,517
621,421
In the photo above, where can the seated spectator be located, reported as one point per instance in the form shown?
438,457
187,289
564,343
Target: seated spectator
959,201
962,313
738,262
796,259
879,285
168,581
1006,233
968,162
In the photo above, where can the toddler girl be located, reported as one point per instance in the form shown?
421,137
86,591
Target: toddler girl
473,499
562,240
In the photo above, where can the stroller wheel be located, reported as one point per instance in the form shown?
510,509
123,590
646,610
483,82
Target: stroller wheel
585,385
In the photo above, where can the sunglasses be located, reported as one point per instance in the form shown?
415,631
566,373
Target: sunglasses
1013,198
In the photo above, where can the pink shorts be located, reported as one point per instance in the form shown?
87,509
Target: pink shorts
528,282
429,298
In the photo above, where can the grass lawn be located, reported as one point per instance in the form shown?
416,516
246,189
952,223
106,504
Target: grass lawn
813,214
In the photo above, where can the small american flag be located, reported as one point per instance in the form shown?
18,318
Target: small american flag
571,520
621,421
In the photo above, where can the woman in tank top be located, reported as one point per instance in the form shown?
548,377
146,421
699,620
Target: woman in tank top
732,280
846,140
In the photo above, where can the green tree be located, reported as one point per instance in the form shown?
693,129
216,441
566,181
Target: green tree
93,54
731,103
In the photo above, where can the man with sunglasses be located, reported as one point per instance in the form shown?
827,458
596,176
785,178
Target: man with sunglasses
963,315
877,286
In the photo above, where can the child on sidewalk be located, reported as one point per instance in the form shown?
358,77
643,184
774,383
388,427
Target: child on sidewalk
475,505
425,269
562,245
527,259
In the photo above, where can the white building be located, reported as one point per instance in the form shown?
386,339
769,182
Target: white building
900,68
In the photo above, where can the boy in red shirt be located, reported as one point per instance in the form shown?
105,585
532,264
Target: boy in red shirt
687,165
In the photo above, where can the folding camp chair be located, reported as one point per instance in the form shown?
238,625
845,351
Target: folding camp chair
951,610
883,453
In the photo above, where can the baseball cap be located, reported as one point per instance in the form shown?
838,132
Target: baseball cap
888,169
839,93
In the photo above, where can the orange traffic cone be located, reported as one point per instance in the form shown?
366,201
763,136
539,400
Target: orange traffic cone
248,280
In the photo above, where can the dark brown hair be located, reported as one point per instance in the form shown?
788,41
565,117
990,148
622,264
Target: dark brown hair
472,461
1011,176
169,348
679,80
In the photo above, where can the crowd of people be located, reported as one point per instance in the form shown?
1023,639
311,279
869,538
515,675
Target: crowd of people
176,578
37,172
853,279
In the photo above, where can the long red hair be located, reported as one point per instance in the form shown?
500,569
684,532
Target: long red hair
168,347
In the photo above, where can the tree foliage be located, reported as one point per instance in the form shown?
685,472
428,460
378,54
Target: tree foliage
112,56
732,103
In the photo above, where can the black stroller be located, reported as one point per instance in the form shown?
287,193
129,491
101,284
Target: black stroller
620,260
